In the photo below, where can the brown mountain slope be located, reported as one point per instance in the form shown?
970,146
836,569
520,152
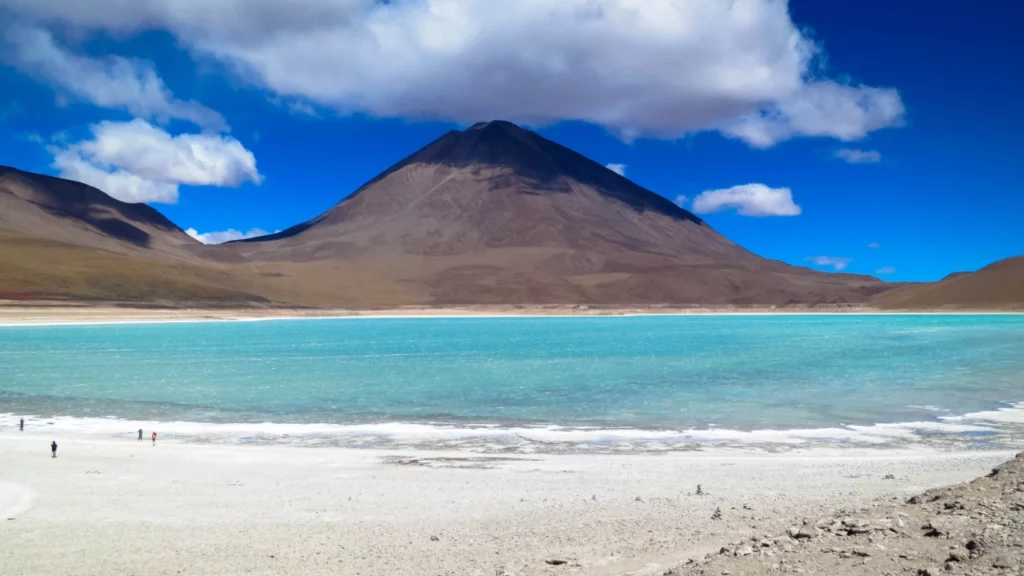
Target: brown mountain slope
78,214
61,239
33,268
498,214
999,286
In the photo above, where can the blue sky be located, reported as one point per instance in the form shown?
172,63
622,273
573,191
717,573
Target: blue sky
879,137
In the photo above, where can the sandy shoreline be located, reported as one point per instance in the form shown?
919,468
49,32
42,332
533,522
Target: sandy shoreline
999,429
122,506
15,314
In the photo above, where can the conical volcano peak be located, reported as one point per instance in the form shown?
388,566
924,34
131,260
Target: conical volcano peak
497,142
495,124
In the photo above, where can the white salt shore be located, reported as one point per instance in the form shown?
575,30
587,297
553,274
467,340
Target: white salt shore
112,506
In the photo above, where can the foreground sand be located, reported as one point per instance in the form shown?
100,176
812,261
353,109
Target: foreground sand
124,507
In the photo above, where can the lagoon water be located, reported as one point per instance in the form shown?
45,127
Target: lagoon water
654,373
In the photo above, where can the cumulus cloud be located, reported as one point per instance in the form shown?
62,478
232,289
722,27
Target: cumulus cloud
681,199
138,162
619,169
112,82
854,156
833,262
885,270
149,151
821,108
658,68
748,200
228,235
120,184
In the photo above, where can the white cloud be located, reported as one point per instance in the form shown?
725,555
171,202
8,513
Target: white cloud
821,108
112,82
194,159
681,199
854,156
874,245
619,169
885,270
833,262
137,162
228,235
660,68
122,185
748,200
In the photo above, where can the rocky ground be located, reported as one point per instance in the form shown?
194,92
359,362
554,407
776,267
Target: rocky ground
975,528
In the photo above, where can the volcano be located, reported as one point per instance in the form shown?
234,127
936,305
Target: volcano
497,214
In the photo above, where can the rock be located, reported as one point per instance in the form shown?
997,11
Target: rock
974,546
958,554
725,550
832,527
556,561
717,514
434,538
932,531
806,533
861,553
925,572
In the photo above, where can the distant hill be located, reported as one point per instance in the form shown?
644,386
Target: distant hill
65,240
998,286
75,213
500,215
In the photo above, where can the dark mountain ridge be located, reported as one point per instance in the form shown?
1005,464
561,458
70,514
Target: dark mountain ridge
547,165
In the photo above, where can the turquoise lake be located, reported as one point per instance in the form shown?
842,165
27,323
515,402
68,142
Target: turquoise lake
656,372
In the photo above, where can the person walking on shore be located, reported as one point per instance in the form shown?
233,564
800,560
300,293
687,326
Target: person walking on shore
53,448
21,425
140,434
154,438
